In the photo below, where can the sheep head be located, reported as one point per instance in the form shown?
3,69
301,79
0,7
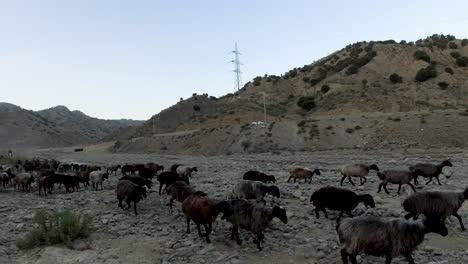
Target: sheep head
271,178
368,200
465,194
316,171
224,208
374,167
446,163
280,213
274,191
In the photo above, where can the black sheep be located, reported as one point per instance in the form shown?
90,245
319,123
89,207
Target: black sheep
338,199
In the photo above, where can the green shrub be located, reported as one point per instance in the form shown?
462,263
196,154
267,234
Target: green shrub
305,79
464,42
422,55
426,73
325,88
443,85
349,130
56,228
395,78
453,45
358,127
306,102
462,61
455,54
353,69
449,70
257,81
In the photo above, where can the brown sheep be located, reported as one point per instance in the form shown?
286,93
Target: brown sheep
203,211
179,191
130,192
25,180
301,173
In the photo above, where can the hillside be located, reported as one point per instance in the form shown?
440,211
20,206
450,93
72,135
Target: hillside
365,78
54,127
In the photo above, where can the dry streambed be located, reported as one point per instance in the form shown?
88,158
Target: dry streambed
157,235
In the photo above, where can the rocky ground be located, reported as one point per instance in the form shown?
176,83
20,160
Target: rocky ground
157,235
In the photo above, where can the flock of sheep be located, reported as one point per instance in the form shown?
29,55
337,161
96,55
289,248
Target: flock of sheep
245,206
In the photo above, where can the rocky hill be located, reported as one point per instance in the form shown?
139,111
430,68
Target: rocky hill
363,79
54,127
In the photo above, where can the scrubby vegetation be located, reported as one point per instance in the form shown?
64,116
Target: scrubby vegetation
443,85
257,81
462,61
306,102
395,78
453,45
325,88
56,228
426,73
422,55
464,42
449,70
455,54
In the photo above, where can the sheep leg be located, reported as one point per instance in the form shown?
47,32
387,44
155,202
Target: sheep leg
120,203
317,215
188,225
325,212
160,188
459,219
437,178
207,233
259,239
342,180
388,259
353,259
385,188
412,187
344,256
305,180
134,208
290,178
199,229
430,179
380,187
363,179
351,181
339,216
310,180
235,234
170,203
399,188
348,212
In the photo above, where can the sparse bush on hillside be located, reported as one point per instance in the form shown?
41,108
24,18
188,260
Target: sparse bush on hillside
181,99
403,42
453,45
464,42
449,70
455,54
422,55
395,78
349,130
246,144
290,74
213,98
317,80
353,69
325,88
462,61
56,228
194,95
305,79
443,85
364,83
426,73
306,102
257,81
196,108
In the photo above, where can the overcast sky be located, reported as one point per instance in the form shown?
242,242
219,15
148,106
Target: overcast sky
131,59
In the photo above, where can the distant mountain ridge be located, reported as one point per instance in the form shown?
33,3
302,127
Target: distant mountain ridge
55,127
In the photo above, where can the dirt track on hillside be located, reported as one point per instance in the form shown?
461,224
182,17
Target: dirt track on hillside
157,235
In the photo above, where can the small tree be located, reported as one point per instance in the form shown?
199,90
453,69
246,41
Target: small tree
464,42
426,73
443,85
364,83
462,61
422,55
325,88
395,78
306,103
455,54
449,70
453,45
